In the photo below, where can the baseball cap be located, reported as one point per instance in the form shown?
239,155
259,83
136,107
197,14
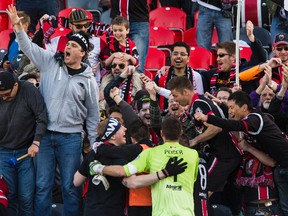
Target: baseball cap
281,38
78,15
7,81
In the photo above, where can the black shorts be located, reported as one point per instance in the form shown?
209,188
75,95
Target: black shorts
219,171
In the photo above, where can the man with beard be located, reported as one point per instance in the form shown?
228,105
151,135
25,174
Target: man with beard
129,84
179,67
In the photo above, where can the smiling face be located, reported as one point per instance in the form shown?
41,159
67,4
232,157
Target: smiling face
120,32
179,57
281,51
144,113
73,54
236,112
223,96
174,107
225,60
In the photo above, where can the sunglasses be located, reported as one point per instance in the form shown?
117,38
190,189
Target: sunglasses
7,94
281,48
80,26
121,65
183,54
221,55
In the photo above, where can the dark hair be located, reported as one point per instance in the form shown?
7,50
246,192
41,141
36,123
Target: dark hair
180,83
229,46
113,109
171,128
241,98
226,89
139,131
120,20
182,44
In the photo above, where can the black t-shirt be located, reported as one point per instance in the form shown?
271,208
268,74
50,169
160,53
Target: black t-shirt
259,126
99,201
73,72
221,145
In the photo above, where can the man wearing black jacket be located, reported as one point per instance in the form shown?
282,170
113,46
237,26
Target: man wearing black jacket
23,124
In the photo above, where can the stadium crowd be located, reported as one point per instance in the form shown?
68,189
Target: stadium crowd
86,126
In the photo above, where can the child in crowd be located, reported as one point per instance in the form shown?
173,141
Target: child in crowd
120,44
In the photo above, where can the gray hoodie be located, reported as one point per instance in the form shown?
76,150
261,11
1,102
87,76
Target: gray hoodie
70,100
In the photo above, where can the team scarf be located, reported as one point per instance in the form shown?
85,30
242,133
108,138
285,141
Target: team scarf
252,173
126,89
216,82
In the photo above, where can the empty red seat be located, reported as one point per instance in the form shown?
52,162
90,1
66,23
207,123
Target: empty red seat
155,60
200,58
4,36
171,18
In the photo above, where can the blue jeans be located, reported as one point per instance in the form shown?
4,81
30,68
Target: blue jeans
207,20
64,149
281,181
139,33
20,180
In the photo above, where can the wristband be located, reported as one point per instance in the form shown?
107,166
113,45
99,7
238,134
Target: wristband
158,176
36,144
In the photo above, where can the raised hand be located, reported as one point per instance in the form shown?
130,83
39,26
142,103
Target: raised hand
12,13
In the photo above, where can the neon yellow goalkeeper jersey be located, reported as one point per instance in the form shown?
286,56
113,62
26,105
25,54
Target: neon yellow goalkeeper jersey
172,196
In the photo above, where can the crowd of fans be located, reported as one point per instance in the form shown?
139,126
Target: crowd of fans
188,141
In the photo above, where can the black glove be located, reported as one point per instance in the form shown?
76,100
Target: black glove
174,167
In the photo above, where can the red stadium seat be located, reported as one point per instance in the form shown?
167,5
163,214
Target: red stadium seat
171,18
160,36
200,58
4,4
4,35
155,60
4,21
190,37
149,74
245,52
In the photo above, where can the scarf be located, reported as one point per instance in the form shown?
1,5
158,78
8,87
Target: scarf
219,79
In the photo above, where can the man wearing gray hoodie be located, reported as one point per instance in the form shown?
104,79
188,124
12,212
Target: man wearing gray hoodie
71,96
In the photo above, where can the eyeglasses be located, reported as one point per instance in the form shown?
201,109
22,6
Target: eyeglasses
121,65
183,54
221,55
281,48
80,26
7,94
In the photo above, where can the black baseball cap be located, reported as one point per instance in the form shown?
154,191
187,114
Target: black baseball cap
281,38
7,81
